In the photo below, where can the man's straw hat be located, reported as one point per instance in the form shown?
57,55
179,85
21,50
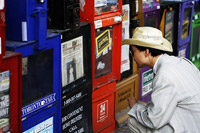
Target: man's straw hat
149,37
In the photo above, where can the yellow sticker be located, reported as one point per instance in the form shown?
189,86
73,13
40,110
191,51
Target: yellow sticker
102,41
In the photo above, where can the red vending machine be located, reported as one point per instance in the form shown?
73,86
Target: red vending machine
105,17
103,108
2,30
10,92
106,31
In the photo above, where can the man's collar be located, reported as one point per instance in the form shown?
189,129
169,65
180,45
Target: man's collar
155,67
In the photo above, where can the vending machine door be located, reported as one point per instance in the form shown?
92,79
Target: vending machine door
107,53
169,23
103,52
185,19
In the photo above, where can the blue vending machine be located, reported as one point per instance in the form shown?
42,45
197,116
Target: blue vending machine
41,83
26,33
184,28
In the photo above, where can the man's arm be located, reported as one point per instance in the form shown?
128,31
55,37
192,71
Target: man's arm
159,111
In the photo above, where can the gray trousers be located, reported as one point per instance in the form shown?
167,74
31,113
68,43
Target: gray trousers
136,127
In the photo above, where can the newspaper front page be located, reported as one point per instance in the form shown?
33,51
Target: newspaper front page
72,60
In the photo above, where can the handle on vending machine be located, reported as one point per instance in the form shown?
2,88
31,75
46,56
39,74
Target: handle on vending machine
40,15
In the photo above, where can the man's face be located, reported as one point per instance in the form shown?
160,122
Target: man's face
138,56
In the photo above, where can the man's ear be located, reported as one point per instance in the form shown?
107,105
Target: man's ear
147,52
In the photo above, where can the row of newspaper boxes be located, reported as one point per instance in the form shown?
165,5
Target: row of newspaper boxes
53,67
73,67
53,64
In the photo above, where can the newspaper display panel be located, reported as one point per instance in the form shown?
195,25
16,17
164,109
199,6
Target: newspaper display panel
4,102
125,62
72,60
103,52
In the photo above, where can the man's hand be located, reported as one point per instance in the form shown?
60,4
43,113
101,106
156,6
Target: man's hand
131,101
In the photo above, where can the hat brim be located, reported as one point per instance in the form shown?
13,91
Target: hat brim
165,46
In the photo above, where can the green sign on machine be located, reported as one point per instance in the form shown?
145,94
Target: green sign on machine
147,78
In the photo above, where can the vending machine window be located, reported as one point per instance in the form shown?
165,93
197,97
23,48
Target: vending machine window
103,6
93,10
169,23
169,26
5,101
126,53
186,23
150,20
106,51
37,76
103,52
75,57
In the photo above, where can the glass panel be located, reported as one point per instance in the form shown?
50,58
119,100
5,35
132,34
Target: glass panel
186,23
169,22
150,21
103,56
72,60
102,6
195,44
37,76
